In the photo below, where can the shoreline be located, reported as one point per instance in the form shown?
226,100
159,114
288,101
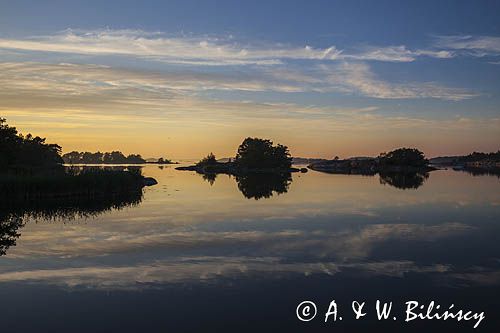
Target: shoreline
230,169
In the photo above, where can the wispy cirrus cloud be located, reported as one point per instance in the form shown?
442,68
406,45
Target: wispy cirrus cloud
398,53
478,46
79,80
159,46
192,50
357,78
268,67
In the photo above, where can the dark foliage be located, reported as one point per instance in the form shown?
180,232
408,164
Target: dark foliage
162,160
28,152
477,157
88,182
403,157
114,157
207,160
255,153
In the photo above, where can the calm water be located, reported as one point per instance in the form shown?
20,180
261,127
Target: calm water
205,255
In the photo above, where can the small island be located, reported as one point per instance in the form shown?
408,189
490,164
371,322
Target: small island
476,163
254,155
401,160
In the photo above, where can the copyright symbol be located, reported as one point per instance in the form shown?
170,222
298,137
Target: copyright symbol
306,311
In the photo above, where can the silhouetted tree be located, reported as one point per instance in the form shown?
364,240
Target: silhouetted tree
162,160
207,160
27,151
9,143
477,156
135,159
404,157
115,157
254,153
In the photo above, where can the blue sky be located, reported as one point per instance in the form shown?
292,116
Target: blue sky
324,77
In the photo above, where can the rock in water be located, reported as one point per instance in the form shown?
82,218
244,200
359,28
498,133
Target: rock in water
149,181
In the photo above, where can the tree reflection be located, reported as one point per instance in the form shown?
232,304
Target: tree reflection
263,185
210,177
9,234
14,214
481,171
402,180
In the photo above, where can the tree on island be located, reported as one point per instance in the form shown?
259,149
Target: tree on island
162,160
255,153
207,160
403,157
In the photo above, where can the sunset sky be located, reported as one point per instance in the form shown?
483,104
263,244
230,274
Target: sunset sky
182,78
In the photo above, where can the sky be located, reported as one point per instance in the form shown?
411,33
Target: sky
180,79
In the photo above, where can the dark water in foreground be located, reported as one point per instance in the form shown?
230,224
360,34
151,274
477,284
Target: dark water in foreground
204,255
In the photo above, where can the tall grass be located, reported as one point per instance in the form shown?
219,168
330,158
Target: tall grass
88,182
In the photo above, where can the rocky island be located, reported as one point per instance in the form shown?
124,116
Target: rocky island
254,156
401,160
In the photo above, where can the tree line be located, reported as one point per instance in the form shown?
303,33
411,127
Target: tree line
114,157
477,156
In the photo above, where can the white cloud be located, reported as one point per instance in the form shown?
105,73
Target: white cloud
201,50
184,50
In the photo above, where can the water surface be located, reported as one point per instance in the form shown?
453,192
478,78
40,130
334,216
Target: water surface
223,254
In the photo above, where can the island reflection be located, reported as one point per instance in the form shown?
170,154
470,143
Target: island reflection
15,213
403,181
258,185
265,185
